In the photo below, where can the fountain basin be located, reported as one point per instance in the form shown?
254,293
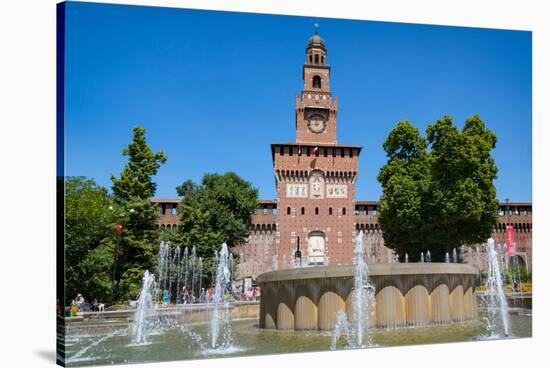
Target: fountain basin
407,294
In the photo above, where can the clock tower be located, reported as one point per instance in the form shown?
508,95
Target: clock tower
315,176
316,108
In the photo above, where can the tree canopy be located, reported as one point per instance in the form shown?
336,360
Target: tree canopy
215,211
438,192
90,218
136,178
140,236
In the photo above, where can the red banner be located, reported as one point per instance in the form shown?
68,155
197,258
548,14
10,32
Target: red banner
510,240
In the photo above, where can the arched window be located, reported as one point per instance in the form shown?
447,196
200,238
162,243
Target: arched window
316,82
330,211
288,210
311,58
303,211
316,59
316,210
344,211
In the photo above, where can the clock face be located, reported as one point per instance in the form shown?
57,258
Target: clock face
316,123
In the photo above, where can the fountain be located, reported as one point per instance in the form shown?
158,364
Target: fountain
340,328
145,310
220,318
351,300
363,301
428,257
497,306
184,273
407,294
455,258
447,258
406,258
422,257
363,295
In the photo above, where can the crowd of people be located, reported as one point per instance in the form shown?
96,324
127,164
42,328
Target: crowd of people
79,304
207,295
238,293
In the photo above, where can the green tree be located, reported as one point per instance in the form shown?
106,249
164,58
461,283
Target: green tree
404,179
90,218
136,179
217,210
140,235
439,199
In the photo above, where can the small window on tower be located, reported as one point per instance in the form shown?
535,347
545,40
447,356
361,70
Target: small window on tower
344,211
330,211
316,59
316,210
311,58
322,59
316,82
303,211
288,210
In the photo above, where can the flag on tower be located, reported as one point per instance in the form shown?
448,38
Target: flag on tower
510,240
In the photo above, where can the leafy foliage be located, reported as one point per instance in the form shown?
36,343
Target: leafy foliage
439,199
217,210
90,218
132,190
405,179
136,178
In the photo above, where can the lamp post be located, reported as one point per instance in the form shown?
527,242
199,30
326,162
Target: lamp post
118,230
298,253
516,279
507,210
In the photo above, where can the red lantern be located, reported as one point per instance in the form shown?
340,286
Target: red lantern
118,229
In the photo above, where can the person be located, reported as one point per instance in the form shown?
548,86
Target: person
185,295
202,297
257,293
95,305
74,309
166,298
79,301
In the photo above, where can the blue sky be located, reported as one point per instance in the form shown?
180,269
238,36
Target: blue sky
215,89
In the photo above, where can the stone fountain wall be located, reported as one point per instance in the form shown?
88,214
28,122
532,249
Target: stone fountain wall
411,294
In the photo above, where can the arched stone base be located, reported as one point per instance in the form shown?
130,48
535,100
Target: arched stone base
406,294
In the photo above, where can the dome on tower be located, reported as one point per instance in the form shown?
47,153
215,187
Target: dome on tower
316,41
